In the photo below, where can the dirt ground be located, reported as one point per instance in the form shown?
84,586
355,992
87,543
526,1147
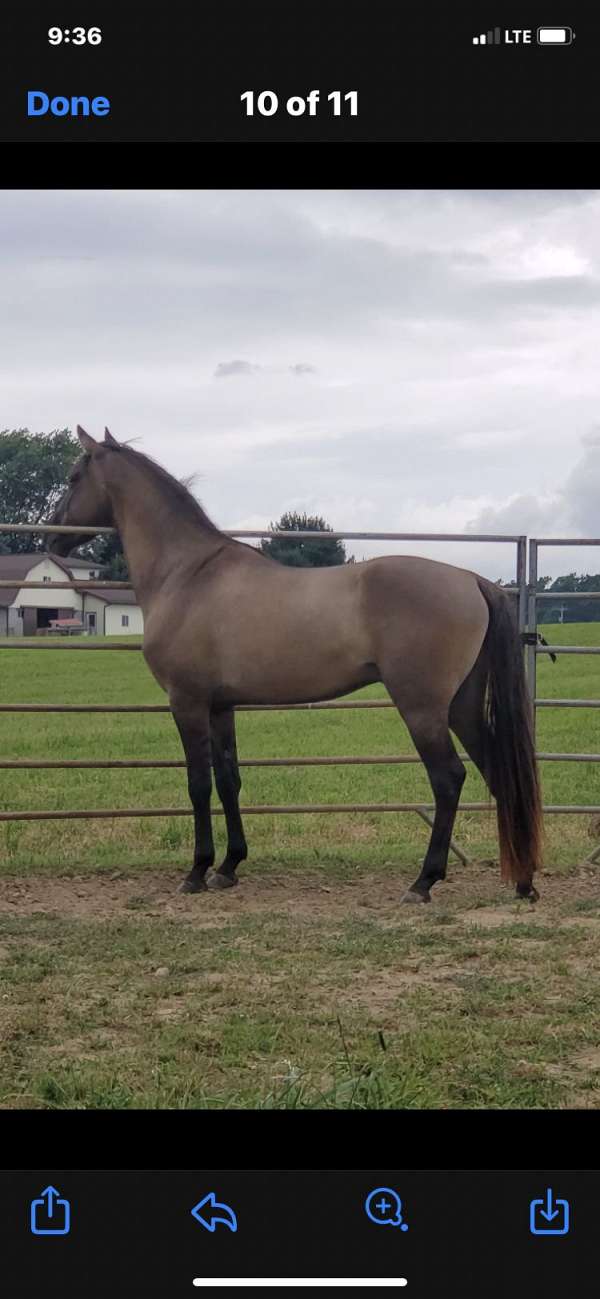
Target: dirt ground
472,894
299,990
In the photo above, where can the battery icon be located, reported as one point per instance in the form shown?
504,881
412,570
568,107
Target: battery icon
555,35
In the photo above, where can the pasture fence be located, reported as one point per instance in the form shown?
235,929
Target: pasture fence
523,589
532,648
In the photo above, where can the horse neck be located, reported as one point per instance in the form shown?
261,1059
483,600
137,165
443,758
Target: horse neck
156,535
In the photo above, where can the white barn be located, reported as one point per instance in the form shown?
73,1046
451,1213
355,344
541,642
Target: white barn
24,612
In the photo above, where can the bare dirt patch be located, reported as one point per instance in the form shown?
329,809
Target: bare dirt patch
588,1060
378,896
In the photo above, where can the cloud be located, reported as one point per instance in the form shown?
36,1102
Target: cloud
227,368
457,336
572,508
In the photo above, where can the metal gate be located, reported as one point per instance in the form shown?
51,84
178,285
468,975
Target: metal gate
523,589
533,649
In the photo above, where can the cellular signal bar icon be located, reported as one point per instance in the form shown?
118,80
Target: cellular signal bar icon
488,38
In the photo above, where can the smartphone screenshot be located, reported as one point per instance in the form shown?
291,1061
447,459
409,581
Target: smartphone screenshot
299,637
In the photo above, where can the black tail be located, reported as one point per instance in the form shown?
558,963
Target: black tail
510,759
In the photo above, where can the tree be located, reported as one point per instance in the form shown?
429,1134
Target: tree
34,468
107,552
34,471
311,552
572,610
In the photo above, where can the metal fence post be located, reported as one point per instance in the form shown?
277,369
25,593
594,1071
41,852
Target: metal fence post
531,659
522,582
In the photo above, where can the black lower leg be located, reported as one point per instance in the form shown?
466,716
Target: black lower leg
193,726
228,782
446,774
527,891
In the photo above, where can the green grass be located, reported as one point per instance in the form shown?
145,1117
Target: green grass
308,985
267,1011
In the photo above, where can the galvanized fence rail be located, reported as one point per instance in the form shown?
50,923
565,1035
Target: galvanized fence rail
524,589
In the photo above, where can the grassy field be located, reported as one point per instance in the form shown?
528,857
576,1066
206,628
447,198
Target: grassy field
307,985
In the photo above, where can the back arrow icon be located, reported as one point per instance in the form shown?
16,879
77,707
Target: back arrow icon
215,1213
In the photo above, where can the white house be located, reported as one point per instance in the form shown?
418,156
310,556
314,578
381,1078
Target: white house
24,612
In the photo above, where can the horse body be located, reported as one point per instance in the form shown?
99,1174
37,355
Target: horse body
308,633
225,625
322,632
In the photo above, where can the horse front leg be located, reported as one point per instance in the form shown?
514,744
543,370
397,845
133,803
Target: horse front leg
193,724
227,779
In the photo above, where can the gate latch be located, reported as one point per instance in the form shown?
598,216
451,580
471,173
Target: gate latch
536,638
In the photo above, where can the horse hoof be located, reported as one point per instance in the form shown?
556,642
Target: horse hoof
217,881
192,886
412,895
532,896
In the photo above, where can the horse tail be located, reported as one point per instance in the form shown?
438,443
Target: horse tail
510,762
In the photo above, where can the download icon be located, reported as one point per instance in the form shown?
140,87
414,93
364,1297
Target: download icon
549,1217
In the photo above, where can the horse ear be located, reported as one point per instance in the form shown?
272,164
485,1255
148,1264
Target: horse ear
88,443
109,440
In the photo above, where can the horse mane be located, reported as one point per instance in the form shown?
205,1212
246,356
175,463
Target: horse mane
176,490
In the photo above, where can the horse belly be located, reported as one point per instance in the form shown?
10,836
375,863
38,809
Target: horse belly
296,661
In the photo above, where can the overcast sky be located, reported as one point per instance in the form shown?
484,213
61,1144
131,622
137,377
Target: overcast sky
392,359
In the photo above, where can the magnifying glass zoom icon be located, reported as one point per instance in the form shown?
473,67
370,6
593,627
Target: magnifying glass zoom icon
384,1207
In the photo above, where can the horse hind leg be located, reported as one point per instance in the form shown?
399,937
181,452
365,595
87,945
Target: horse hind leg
427,723
468,721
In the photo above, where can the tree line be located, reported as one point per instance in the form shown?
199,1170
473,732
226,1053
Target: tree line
34,471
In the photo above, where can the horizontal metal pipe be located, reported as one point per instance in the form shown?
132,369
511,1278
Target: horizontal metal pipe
88,585
164,708
53,527
8,582
566,595
377,536
24,764
567,649
292,534
42,644
565,541
265,810
291,809
84,708
567,703
37,764
254,708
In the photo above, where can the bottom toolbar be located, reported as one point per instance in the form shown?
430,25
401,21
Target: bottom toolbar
497,1233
